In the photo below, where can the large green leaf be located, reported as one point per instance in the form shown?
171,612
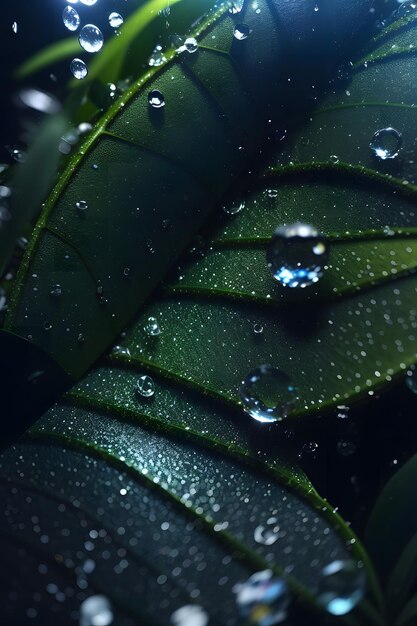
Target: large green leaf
151,177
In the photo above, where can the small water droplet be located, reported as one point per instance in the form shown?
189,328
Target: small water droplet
56,291
267,534
191,45
268,394
115,20
121,350
88,3
258,329
272,193
297,255
14,27
411,379
241,32
156,99
386,143
334,159
91,38
96,611
342,411
71,18
234,209
81,205
157,57
152,327
78,69
145,386
190,615
263,600
341,588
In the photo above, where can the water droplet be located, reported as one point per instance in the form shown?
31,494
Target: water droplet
88,3
263,600
297,255
272,193
234,209
341,588
268,394
258,329
121,351
145,386
115,20
386,143
334,159
191,45
342,411
267,534
190,615
241,32
78,69
91,38
309,448
345,447
39,101
17,154
71,18
56,291
152,327
157,57
235,6
14,27
96,611
411,379
81,205
156,99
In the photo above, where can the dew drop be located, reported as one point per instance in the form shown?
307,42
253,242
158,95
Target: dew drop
411,379
157,57
258,329
14,27
70,18
297,255
191,45
156,99
96,611
78,69
234,209
81,205
241,32
152,327
190,615
386,143
267,394
56,291
115,20
263,600
145,386
341,588
91,38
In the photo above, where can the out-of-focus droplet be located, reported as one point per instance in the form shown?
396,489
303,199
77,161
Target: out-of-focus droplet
341,587
268,533
115,20
411,379
88,3
56,291
39,101
96,611
268,395
78,69
241,32
156,99
152,327
346,447
386,143
157,57
71,18
91,38
263,600
297,255
190,615
145,387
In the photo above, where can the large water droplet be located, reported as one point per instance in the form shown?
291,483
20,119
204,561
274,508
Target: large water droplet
241,32
297,255
145,386
386,143
156,99
78,69
341,588
115,20
263,600
190,615
152,327
268,395
70,18
96,611
91,38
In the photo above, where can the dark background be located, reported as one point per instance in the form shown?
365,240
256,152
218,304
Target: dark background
381,433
